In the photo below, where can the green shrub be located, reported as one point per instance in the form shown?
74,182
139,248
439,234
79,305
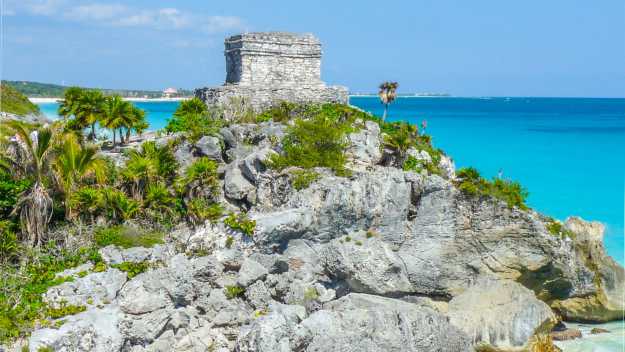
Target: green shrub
471,183
194,120
15,102
132,268
315,142
10,191
200,210
557,229
9,243
303,178
348,239
241,223
234,291
126,237
370,233
21,288
64,310
229,241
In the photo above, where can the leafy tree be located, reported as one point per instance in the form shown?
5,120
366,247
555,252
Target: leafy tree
73,164
387,94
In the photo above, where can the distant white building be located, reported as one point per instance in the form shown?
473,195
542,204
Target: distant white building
169,92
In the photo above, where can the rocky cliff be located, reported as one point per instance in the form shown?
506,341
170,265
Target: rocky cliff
381,260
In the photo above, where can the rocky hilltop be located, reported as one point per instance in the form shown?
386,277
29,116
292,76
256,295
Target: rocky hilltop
377,259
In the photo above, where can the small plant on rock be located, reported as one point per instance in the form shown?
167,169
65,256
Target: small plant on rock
241,223
234,291
132,269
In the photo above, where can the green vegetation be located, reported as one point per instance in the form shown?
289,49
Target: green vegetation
194,120
64,310
303,178
557,229
132,269
241,223
82,108
232,292
126,237
47,90
199,210
12,101
471,183
318,140
22,287
229,241
310,294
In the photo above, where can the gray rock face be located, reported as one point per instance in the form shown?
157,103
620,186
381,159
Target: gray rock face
367,265
255,163
355,322
364,149
92,289
209,147
250,272
501,313
92,330
236,186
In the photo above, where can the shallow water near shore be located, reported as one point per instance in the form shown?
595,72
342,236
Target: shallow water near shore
612,341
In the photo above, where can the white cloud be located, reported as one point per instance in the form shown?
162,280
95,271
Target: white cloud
119,15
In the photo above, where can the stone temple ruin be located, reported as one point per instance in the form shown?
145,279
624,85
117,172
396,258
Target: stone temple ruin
266,68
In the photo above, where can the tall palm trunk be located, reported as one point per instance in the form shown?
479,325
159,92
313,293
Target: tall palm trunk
121,136
385,112
127,134
114,137
36,213
92,135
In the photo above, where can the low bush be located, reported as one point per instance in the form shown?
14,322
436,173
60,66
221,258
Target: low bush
132,269
315,142
557,229
303,178
471,183
63,310
199,210
241,223
126,237
194,120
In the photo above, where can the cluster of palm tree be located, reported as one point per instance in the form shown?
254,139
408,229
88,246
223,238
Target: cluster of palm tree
91,107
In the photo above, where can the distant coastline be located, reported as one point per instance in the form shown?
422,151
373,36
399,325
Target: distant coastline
37,100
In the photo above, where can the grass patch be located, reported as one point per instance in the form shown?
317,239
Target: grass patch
126,237
303,178
471,183
132,269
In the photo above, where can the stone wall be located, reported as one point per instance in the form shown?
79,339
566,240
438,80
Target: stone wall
266,68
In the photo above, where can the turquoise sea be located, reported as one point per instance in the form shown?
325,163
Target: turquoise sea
568,152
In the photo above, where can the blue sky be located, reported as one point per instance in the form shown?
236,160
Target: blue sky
466,48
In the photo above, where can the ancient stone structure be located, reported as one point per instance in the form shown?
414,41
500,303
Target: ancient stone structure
266,68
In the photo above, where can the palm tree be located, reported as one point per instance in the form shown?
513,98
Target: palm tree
387,93
89,108
114,113
135,120
73,164
33,153
402,139
148,165
193,106
68,104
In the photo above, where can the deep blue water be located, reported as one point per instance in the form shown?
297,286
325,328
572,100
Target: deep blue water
569,153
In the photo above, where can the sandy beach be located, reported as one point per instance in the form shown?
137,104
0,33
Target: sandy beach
37,100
